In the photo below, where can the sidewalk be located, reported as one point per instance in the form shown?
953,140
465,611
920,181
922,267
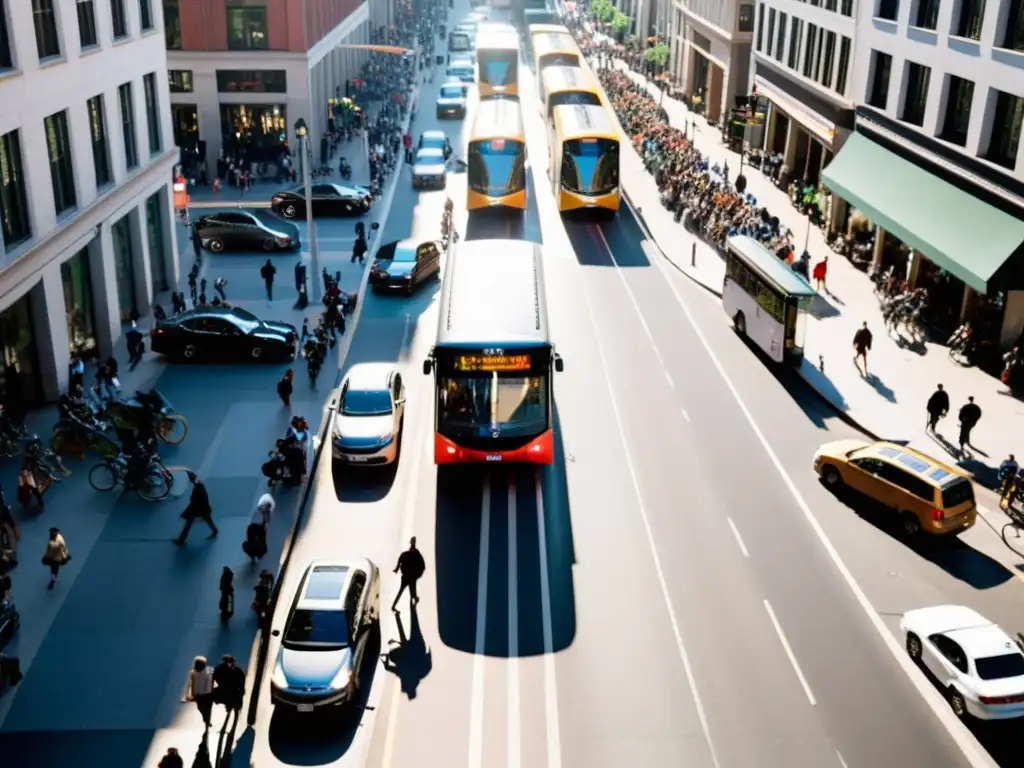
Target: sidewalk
890,403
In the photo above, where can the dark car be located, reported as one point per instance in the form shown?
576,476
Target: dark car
328,200
240,230
221,332
403,264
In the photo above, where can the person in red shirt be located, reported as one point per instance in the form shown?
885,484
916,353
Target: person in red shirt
407,141
819,273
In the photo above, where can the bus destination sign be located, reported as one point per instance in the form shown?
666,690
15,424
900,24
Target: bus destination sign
488,363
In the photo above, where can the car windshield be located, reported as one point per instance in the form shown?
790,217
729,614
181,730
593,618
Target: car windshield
451,92
363,402
430,156
1000,667
317,630
405,254
245,319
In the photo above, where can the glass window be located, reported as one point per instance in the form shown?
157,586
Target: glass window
1014,37
957,121
745,21
6,59
118,19
496,167
960,492
1006,124
87,24
927,14
124,267
131,150
19,377
155,235
771,30
172,25
13,201
58,148
795,28
878,93
180,80
252,81
77,282
152,112
245,126
327,629
780,41
145,15
492,406
590,166
1000,667
888,9
828,59
247,29
916,100
45,21
361,402
972,15
842,71
760,25
812,41
98,134
846,7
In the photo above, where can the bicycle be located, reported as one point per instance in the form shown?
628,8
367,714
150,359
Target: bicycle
153,485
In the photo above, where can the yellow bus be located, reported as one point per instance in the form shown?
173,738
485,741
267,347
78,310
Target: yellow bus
496,174
547,29
497,61
584,158
553,49
568,85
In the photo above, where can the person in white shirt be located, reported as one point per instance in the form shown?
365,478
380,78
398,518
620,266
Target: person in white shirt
255,545
264,510
200,688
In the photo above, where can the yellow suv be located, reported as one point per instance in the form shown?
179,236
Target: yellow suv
928,495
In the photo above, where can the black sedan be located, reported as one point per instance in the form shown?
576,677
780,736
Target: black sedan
403,264
240,230
217,333
328,200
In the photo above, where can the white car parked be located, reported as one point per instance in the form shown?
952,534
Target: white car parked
980,667
367,426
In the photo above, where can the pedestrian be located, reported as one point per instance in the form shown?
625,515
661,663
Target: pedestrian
267,272
28,485
200,688
227,594
938,406
229,684
261,597
255,544
219,285
819,273
198,509
202,287
359,249
300,278
197,246
56,555
76,373
285,388
193,283
412,567
861,345
970,415
171,760
136,345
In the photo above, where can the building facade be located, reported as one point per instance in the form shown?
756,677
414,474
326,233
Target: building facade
243,71
709,46
86,161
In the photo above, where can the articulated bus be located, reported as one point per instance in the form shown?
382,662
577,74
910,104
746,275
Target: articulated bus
496,176
567,85
766,300
584,158
497,61
493,359
554,49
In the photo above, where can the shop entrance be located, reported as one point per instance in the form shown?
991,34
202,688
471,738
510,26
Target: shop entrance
124,268
21,385
78,305
155,236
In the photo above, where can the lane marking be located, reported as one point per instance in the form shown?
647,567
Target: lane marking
671,384
789,653
841,761
512,670
739,539
685,414
554,731
969,746
476,697
642,509
405,332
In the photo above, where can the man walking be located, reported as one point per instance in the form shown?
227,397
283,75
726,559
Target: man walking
938,406
198,509
861,345
197,246
970,415
412,567
229,685
219,285
267,272
136,346
193,283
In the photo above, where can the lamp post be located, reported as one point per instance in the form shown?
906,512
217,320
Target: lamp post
307,179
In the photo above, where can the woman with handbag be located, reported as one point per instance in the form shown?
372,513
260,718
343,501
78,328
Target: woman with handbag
56,555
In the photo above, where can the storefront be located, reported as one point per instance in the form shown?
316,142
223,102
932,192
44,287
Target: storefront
185,119
78,305
158,260
21,384
253,128
124,268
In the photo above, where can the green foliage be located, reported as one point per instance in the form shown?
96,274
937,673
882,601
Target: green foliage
604,10
621,22
657,54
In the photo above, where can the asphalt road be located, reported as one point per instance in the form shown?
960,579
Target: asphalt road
662,594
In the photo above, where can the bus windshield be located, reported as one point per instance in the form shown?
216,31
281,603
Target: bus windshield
562,98
559,60
590,166
497,67
497,167
492,405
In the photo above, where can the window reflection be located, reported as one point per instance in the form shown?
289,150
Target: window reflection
480,406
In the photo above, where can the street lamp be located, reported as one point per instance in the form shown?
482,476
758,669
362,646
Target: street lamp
302,134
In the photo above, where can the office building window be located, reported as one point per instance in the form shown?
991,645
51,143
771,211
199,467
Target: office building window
878,92
87,36
145,15
916,98
1006,124
98,133
771,30
13,200
180,80
927,14
152,112
760,26
795,25
829,59
888,9
812,41
846,8
780,41
972,15
118,19
45,21
6,59
957,120
62,172
746,18
1014,37
78,304
249,81
172,25
247,28
131,149
842,71
816,77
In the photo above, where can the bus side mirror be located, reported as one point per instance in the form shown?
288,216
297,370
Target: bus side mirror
428,366
559,364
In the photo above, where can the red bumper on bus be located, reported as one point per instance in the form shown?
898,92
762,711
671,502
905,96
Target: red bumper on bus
538,451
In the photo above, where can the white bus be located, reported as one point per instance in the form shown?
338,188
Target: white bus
766,300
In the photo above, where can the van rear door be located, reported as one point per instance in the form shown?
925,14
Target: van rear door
957,497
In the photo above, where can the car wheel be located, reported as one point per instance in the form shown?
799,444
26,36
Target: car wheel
215,244
257,352
957,703
913,646
910,525
740,323
189,351
268,245
289,211
831,476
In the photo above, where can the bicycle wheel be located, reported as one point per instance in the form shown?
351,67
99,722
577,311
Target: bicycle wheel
102,477
155,485
173,429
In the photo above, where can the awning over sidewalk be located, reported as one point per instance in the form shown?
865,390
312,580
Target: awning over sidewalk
953,229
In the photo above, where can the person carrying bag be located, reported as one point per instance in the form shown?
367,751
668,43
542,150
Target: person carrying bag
255,544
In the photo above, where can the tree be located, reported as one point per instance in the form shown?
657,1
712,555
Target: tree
620,22
657,55
604,10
